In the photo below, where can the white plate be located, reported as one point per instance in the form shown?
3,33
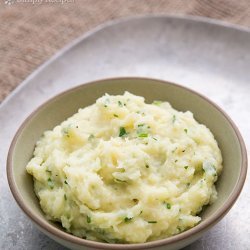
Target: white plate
210,57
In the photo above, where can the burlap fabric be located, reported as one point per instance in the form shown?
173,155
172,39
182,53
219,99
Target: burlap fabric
30,33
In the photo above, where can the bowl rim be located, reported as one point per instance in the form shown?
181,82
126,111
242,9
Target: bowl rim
58,233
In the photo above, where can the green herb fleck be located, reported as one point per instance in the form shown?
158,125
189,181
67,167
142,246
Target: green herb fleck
119,181
120,103
88,219
127,219
115,115
157,103
174,118
143,135
175,161
168,205
186,167
48,171
147,166
91,137
185,130
122,132
65,131
65,197
155,139
66,182
152,221
140,125
50,183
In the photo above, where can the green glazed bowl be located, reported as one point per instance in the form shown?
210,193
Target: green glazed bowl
54,111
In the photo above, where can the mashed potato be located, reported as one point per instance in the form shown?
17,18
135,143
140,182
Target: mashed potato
123,171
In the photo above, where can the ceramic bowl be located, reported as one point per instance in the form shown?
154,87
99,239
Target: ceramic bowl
57,109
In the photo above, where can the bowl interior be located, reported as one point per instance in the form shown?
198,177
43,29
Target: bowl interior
66,104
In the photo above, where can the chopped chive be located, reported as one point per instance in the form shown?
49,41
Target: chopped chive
152,221
155,139
88,219
140,125
122,132
127,219
65,197
48,171
174,118
186,167
185,130
143,135
115,115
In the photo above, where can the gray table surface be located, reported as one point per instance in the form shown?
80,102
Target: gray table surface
208,57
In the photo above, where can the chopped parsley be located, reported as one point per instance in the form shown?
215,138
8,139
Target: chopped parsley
115,115
168,205
88,219
50,183
127,219
185,130
186,167
122,132
152,221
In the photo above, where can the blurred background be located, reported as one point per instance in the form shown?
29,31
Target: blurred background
31,31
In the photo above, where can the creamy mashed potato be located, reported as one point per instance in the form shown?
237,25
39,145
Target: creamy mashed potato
125,171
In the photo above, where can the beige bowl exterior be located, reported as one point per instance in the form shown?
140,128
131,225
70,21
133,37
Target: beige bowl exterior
54,111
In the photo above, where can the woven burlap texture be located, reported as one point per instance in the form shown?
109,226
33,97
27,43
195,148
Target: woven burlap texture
31,33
